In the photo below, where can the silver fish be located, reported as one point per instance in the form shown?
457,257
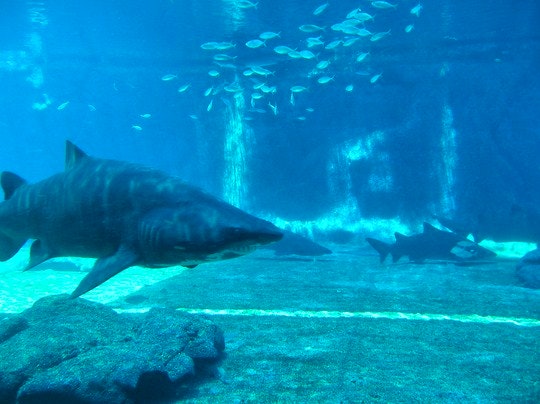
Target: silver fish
169,77
319,10
383,4
255,43
310,28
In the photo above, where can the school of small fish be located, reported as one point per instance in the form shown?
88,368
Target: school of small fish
339,55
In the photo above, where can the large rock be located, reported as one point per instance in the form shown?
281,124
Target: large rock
528,269
66,350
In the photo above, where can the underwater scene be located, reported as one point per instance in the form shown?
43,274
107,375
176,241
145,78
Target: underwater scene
255,201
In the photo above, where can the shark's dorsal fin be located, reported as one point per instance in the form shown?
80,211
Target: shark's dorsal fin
10,182
428,228
399,236
73,155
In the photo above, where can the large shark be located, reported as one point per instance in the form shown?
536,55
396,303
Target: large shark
124,215
432,243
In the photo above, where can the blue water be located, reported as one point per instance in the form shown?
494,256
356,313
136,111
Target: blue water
440,117
449,127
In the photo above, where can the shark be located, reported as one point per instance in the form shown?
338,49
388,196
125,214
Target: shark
432,244
510,223
123,214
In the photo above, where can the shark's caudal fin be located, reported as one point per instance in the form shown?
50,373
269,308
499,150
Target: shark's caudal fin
381,247
10,182
8,245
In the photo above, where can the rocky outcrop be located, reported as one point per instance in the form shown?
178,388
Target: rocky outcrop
72,350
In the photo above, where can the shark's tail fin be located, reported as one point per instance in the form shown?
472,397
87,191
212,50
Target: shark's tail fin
8,245
381,247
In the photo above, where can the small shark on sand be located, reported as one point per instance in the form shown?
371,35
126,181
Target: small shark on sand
433,244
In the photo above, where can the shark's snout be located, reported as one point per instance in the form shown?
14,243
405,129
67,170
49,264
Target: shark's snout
269,234
256,234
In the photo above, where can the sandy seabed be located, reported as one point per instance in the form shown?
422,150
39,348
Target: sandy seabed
338,329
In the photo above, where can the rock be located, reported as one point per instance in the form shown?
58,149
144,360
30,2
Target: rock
65,350
528,269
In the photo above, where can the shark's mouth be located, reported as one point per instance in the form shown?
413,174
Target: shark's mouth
232,252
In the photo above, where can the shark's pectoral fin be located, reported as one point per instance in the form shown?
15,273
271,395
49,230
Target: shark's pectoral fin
38,253
105,268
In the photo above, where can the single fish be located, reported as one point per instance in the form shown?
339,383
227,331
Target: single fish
298,89
319,10
169,77
379,35
255,43
310,28
224,45
307,54
269,35
333,44
323,64
145,116
350,42
375,78
62,106
325,79
294,54
209,45
222,57
183,88
349,88
362,56
210,105
416,10
282,50
261,71
363,32
136,127
409,28
352,30
383,5
213,73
